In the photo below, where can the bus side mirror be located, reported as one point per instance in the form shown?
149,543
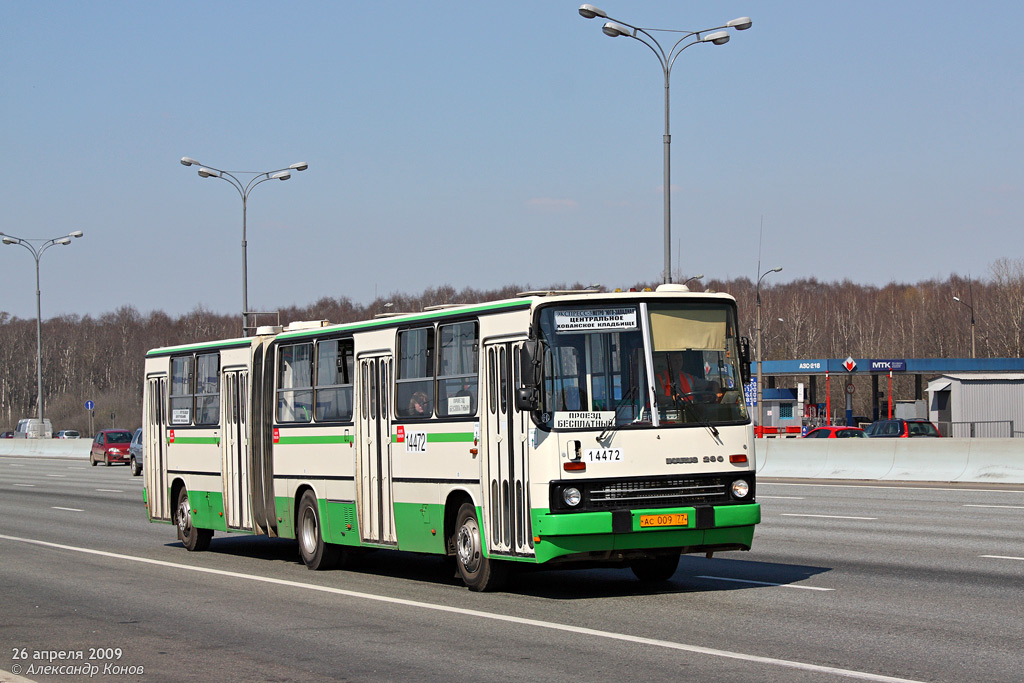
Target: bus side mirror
531,356
528,399
530,359
745,359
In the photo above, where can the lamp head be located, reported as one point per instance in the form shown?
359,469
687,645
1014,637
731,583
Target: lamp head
208,173
189,161
588,11
301,166
777,269
718,38
76,233
64,240
283,175
613,30
741,24
956,298
8,240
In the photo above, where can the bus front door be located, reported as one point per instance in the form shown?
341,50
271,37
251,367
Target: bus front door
507,455
376,507
235,450
154,466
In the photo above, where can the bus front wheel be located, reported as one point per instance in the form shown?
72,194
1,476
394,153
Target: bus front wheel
478,572
657,569
192,537
316,554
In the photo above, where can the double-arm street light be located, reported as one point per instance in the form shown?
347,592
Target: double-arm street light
760,385
970,306
717,35
37,253
243,191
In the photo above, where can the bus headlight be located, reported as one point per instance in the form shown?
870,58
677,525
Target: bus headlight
571,496
740,488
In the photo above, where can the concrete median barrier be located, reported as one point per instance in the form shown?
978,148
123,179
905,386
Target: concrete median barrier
42,448
960,460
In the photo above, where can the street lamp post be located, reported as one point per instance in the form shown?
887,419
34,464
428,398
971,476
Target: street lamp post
37,253
760,385
970,306
243,191
615,28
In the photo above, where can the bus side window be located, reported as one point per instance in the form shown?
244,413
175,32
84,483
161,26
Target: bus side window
333,390
459,367
295,383
414,383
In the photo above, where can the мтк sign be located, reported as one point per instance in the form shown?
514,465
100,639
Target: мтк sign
888,365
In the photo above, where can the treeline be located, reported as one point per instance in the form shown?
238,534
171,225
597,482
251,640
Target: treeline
101,359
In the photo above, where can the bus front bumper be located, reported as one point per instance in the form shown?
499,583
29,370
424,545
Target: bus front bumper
693,530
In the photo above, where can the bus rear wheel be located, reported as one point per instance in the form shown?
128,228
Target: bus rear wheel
192,537
657,569
316,554
478,572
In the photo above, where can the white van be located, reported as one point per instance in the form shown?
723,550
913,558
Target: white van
32,428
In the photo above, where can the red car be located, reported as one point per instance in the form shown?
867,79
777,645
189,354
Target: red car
902,429
109,446
835,433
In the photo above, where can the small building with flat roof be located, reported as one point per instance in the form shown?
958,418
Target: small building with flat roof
977,404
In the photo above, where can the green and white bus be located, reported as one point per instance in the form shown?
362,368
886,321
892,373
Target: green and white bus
558,428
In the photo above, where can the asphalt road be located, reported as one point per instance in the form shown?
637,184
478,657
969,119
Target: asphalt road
846,580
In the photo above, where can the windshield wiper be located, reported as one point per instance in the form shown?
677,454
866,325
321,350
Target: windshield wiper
687,404
630,393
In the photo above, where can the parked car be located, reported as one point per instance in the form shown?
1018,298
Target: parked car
68,434
7,435
135,453
33,428
835,432
110,446
901,429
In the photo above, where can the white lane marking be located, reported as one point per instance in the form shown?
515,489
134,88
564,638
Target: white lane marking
765,583
553,626
69,509
761,483
58,476
1008,507
793,514
1002,557
27,486
16,464
110,490
782,497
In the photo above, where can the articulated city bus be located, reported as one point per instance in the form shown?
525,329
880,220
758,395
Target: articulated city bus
558,428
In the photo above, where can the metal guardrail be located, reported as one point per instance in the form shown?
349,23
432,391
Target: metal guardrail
980,429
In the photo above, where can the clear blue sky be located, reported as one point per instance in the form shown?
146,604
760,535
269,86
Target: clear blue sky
461,143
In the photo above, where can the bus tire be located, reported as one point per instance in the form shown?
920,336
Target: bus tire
657,569
192,537
478,572
316,554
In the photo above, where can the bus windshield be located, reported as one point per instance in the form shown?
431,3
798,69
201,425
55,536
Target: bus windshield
599,371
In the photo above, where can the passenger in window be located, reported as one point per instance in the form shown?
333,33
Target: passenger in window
419,406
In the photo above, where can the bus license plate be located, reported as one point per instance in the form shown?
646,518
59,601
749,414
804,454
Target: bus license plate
674,519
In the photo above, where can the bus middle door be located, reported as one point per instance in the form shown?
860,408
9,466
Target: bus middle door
235,449
376,506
